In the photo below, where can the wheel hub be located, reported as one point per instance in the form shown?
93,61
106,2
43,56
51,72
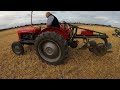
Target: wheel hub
50,48
49,51
17,49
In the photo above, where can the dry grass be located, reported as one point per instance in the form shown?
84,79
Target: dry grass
81,63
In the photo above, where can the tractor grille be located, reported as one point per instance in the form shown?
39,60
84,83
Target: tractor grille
27,36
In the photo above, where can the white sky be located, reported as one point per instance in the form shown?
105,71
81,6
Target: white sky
17,18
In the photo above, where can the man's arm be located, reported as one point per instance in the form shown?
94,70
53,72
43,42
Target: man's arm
50,20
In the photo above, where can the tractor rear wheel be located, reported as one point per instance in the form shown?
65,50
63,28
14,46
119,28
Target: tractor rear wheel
17,48
51,47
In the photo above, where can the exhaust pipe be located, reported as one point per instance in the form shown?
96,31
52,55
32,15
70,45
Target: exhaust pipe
31,17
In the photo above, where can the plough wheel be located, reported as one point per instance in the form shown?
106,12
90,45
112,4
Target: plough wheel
100,50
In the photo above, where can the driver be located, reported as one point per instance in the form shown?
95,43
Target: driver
52,20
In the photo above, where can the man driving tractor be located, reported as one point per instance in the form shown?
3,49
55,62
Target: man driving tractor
52,20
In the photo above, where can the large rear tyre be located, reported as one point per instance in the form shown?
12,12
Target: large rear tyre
51,47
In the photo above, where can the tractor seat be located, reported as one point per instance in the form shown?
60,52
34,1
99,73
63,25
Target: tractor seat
62,26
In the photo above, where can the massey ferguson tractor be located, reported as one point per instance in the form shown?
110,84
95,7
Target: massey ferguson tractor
52,44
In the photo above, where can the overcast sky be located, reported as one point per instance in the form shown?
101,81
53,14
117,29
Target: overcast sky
18,18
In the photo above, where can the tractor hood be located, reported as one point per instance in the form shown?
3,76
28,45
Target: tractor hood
30,29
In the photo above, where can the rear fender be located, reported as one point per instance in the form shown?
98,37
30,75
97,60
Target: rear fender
61,32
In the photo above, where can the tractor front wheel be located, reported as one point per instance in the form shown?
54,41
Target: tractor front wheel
17,48
51,47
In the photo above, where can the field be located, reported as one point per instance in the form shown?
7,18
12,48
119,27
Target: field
81,64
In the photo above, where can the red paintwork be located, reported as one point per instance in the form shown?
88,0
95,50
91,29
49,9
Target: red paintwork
86,33
30,29
65,32
60,31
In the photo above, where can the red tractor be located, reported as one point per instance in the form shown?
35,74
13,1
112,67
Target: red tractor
52,44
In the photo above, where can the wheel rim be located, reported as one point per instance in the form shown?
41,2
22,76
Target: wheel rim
17,50
49,50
